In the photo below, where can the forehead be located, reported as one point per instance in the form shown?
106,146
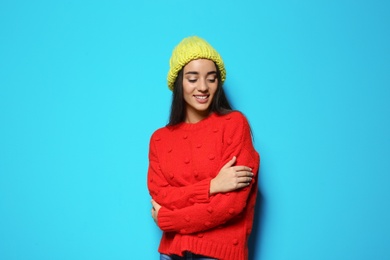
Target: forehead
200,65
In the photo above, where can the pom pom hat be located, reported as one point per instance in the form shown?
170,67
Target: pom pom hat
192,48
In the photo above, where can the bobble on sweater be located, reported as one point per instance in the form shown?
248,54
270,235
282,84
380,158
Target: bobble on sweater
196,174
229,141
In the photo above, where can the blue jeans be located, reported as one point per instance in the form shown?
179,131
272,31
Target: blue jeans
187,256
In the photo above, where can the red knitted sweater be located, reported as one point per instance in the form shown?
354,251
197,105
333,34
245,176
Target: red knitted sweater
182,161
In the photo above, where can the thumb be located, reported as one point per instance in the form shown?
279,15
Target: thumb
231,162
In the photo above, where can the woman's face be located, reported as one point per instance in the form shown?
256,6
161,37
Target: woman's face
200,83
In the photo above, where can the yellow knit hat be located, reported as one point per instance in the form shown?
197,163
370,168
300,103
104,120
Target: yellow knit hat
192,48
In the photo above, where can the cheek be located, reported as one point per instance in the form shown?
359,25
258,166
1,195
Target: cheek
214,88
187,93
187,87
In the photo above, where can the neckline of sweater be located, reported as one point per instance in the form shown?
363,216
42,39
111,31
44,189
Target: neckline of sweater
202,123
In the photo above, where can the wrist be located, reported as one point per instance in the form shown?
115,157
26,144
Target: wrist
212,190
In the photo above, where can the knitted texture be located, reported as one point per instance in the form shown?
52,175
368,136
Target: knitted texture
192,48
182,161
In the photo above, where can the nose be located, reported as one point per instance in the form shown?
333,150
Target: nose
203,86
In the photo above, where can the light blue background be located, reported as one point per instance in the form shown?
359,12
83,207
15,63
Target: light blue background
83,86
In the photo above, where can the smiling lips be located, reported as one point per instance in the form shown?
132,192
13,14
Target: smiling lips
202,98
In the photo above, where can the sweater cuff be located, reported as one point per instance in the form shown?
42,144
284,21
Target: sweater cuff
164,220
202,191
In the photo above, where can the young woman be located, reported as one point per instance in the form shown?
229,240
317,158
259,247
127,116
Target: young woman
203,167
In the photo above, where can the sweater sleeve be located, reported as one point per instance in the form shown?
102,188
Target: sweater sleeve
223,206
170,196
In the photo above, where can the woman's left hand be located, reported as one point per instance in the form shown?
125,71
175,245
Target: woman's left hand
155,209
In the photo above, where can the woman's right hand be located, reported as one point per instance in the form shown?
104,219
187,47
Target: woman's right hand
231,178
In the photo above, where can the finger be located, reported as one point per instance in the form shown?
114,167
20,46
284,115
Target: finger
230,163
245,179
243,185
242,168
244,173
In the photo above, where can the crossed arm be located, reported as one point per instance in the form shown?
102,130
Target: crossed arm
229,178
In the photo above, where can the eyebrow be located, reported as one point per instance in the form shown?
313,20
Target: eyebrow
197,73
